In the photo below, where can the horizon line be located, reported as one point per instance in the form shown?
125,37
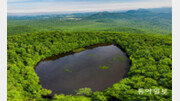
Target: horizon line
80,7
74,12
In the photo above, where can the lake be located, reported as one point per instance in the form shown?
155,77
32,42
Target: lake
97,67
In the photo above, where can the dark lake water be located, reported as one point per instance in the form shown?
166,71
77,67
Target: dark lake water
98,67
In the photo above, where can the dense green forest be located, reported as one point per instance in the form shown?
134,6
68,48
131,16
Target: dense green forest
133,21
150,56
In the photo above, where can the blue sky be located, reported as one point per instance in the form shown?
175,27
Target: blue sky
76,6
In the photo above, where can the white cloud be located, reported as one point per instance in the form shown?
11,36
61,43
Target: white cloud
82,6
17,0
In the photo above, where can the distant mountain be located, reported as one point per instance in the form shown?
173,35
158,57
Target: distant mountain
134,14
108,15
49,16
161,10
165,12
139,11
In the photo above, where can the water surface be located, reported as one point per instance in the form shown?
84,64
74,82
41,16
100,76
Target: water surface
98,67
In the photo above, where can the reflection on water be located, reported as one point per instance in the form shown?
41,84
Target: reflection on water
98,67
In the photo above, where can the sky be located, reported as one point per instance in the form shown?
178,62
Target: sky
79,6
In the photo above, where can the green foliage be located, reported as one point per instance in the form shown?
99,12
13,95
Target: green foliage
62,97
84,91
104,67
150,57
67,70
99,96
78,50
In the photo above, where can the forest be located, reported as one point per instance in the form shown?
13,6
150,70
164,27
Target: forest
150,56
133,21
145,36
